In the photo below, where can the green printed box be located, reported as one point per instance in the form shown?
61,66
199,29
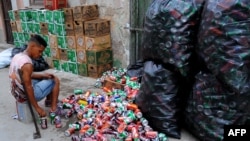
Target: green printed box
15,36
30,27
47,52
51,28
56,64
64,66
25,15
62,42
36,28
99,57
21,37
25,27
59,16
41,14
73,68
60,29
71,53
26,37
11,15
49,18
35,15
82,69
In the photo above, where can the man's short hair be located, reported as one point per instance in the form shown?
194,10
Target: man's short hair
38,39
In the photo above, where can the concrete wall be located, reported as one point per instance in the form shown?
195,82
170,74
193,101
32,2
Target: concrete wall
118,12
115,10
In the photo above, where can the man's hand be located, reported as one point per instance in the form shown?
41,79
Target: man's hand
41,112
48,76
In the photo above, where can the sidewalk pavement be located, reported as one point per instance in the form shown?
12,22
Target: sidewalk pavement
12,129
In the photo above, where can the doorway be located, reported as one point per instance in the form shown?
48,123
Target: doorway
138,10
6,6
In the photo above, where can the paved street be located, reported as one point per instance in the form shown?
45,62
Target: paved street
14,130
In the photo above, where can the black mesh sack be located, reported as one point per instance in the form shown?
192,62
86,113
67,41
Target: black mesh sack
170,32
211,106
159,98
224,42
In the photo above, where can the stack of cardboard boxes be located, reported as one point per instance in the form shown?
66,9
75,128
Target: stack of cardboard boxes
78,40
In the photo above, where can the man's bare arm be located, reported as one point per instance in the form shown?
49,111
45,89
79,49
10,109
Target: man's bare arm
27,80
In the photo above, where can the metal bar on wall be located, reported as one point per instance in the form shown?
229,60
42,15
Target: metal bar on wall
138,9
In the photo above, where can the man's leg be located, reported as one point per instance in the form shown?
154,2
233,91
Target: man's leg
55,93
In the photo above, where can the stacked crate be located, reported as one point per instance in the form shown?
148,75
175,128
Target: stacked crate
21,20
98,46
78,40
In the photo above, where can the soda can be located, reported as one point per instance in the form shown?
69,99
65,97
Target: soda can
58,122
78,91
43,121
69,131
52,118
151,134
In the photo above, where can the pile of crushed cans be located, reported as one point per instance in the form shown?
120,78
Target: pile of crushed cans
110,115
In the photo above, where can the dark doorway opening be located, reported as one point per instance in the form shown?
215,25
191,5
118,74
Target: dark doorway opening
6,6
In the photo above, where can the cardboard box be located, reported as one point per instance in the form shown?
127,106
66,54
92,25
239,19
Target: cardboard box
98,27
98,43
77,13
62,42
73,67
55,53
71,42
44,28
81,56
13,26
99,57
69,27
16,15
56,64
18,26
58,16
90,12
64,66
82,69
80,42
53,43
78,26
96,71
68,14
63,54
71,53
112,84
49,60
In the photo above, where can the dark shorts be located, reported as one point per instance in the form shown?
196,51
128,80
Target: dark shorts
42,88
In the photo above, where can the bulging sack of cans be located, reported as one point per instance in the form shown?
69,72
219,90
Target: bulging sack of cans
211,106
159,99
170,32
224,42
